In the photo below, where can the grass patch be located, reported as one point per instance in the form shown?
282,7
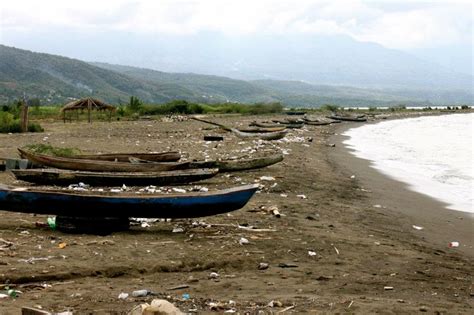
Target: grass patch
50,150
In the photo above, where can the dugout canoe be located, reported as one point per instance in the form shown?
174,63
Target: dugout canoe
66,177
276,135
99,166
98,204
239,164
124,157
360,118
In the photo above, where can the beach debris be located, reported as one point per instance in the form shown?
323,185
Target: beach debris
388,288
377,206
416,227
33,259
350,304
62,245
287,265
123,296
283,195
275,303
141,293
423,308
311,253
178,230
263,266
179,287
454,244
336,250
267,178
156,307
286,309
302,196
186,296
3,296
180,190
243,241
331,145
213,275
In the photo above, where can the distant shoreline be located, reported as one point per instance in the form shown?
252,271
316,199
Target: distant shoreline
440,225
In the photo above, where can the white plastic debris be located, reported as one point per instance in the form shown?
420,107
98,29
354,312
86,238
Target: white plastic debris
416,227
283,195
301,196
353,176
180,190
377,206
213,275
114,190
311,253
453,244
243,241
267,178
387,288
123,296
178,230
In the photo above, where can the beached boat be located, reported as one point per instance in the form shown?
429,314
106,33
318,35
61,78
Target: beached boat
360,118
124,157
98,204
262,129
67,177
319,122
245,135
99,166
259,135
276,125
239,164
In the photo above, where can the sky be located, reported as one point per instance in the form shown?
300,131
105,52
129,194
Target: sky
421,27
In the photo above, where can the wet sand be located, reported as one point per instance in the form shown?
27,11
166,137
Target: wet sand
440,225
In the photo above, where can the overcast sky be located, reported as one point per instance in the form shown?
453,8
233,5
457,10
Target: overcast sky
398,24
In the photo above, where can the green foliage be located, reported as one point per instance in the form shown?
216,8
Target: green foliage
51,150
464,107
135,104
397,108
8,123
330,107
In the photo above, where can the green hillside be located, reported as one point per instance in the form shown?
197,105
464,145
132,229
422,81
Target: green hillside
55,79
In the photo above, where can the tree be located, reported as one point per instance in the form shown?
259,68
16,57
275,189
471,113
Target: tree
135,104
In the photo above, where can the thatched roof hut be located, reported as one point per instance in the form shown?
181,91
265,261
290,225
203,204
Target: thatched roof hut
88,104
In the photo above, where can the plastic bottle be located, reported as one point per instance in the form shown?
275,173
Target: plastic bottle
140,293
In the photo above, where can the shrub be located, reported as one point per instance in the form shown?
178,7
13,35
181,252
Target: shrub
329,107
50,150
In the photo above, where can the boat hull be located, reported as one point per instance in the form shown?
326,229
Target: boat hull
67,177
85,204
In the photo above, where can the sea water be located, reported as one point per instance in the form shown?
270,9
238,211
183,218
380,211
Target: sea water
433,155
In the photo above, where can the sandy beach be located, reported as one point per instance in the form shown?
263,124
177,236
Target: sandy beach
331,251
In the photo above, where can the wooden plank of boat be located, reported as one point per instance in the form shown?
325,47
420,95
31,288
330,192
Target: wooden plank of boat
98,204
100,166
264,136
123,157
239,164
320,122
348,118
262,129
67,177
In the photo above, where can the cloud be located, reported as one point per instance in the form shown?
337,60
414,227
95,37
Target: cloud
396,24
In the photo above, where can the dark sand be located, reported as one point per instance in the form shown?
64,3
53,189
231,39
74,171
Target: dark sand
440,225
359,249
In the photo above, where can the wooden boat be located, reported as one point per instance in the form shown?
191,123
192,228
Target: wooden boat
262,129
239,164
124,157
263,136
67,177
276,125
244,135
97,204
289,124
318,122
295,113
360,118
100,166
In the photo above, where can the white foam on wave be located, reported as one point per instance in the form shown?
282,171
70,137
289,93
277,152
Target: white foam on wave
433,155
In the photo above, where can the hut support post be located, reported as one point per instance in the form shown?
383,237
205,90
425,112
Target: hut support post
89,110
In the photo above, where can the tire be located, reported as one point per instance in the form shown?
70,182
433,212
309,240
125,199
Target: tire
91,225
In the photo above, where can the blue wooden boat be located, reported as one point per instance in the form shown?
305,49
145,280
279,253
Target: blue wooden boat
101,205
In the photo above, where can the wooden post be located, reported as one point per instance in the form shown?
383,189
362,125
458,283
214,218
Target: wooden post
89,109
24,116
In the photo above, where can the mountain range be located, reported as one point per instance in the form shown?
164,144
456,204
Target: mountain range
57,79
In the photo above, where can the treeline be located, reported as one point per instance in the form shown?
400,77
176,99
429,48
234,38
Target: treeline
135,106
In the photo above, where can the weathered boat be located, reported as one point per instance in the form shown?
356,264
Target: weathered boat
100,166
262,129
124,157
239,164
275,125
360,118
319,122
118,205
276,135
67,177
245,135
